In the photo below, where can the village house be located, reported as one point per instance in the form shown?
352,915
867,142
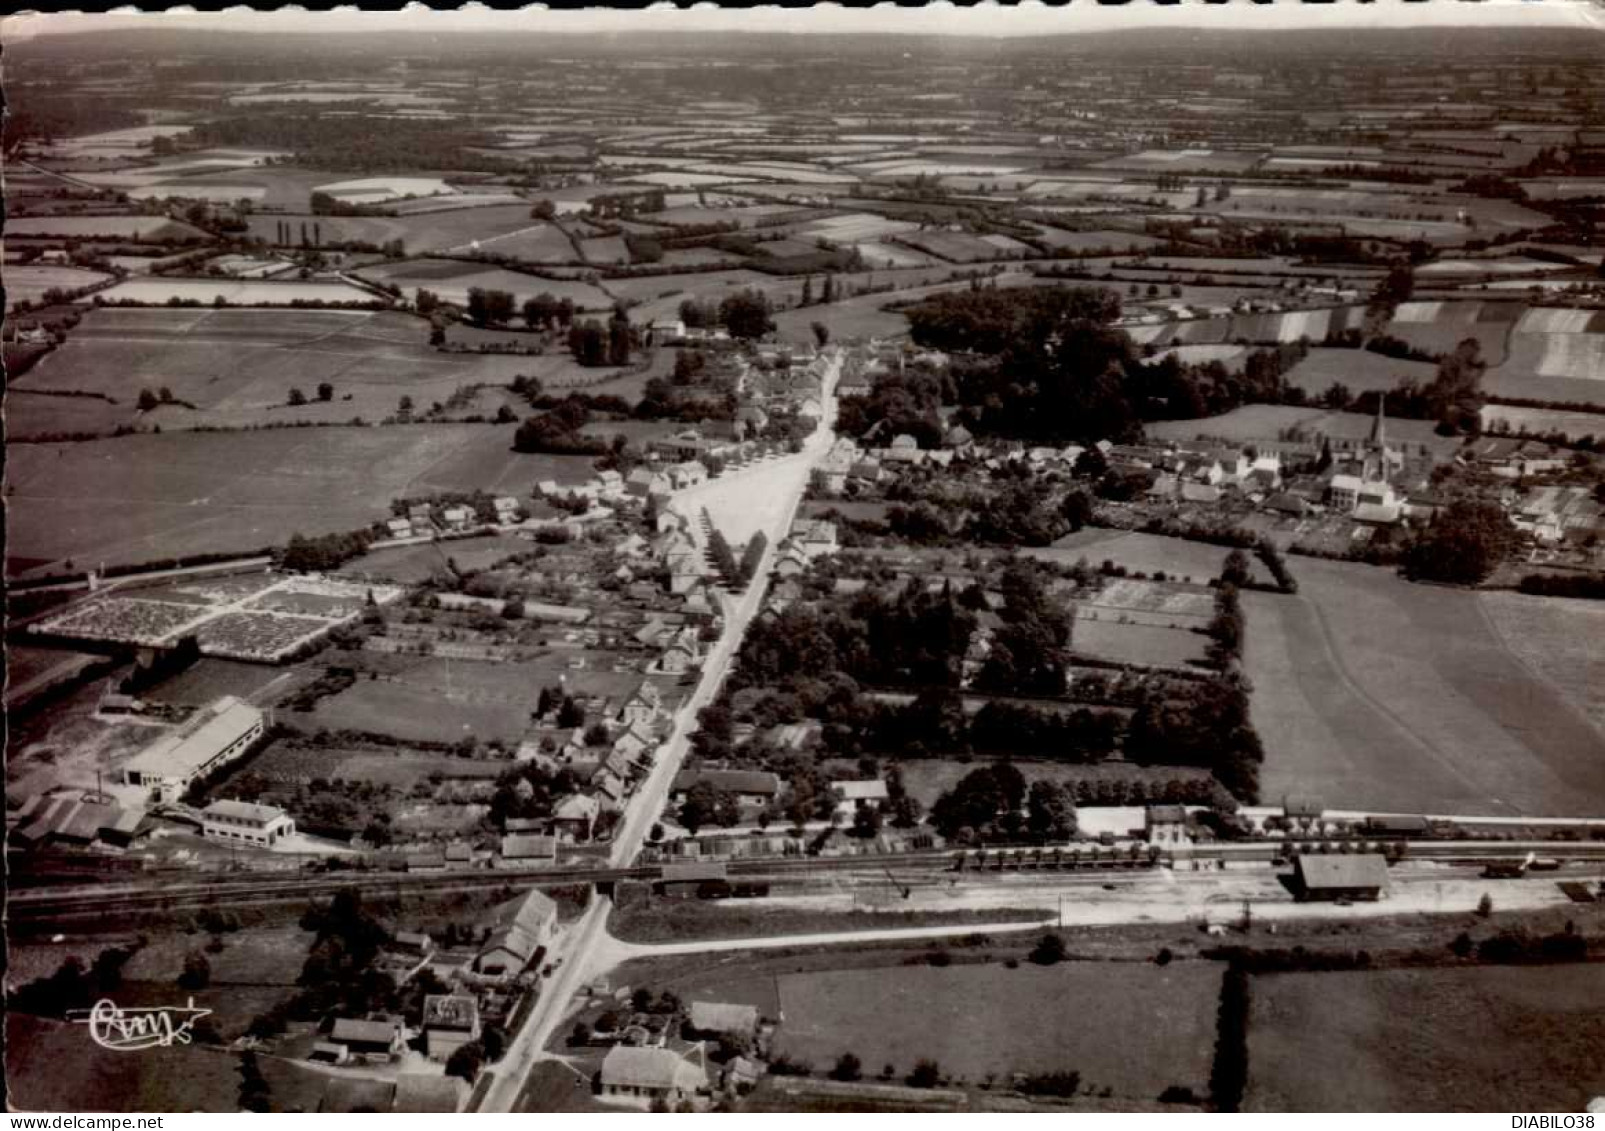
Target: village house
1165,824
526,850
644,708
449,1022
644,481
574,817
710,1020
398,528
752,789
372,1041
506,508
521,930
243,822
869,794
457,517
640,1076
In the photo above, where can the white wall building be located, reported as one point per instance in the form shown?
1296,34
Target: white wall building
211,738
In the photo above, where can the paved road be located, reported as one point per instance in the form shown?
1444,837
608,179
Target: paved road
577,950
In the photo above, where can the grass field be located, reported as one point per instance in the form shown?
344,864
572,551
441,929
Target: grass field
408,565
430,231
237,367
1100,633
398,709
1135,1028
155,228
1575,425
138,498
1561,640
1360,370
29,283
156,291
1480,1039
1371,692
1148,553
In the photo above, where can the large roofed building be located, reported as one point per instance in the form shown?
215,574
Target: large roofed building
245,821
214,736
1340,877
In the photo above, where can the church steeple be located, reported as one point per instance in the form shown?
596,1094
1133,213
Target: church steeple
1379,438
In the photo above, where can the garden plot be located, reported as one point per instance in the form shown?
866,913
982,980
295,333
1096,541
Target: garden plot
961,247
261,618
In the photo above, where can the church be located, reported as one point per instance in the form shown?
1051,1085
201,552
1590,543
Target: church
1366,493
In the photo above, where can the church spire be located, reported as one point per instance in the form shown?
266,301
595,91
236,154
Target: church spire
1379,439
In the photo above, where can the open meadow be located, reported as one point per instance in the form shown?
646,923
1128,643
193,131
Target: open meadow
140,498
1361,371
234,368
1374,693
1428,1040
1132,1027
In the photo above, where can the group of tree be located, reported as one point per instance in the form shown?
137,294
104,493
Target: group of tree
751,558
1203,723
546,312
594,344
528,790
1030,651
1462,545
1227,629
558,431
1048,363
489,307
325,552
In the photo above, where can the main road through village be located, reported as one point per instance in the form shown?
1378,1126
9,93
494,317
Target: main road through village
774,489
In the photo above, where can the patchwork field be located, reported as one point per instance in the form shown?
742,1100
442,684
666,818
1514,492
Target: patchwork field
1371,692
156,229
30,283
451,280
1155,1025
237,367
235,292
139,498
1428,1040
420,233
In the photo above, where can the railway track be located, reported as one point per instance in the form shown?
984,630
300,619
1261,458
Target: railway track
47,905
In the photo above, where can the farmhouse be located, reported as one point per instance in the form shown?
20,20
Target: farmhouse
244,822
641,1075
521,930
1340,877
211,738
1165,824
523,850
713,1019
870,794
449,1022
373,1040
752,788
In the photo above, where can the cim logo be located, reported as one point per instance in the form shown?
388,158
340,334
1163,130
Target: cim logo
141,1027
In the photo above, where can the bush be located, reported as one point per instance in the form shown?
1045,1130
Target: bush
1049,951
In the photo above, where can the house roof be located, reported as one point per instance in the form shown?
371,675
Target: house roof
525,846
735,781
1319,873
652,1068
694,872
871,790
723,1017
189,747
1167,814
535,912
450,1011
